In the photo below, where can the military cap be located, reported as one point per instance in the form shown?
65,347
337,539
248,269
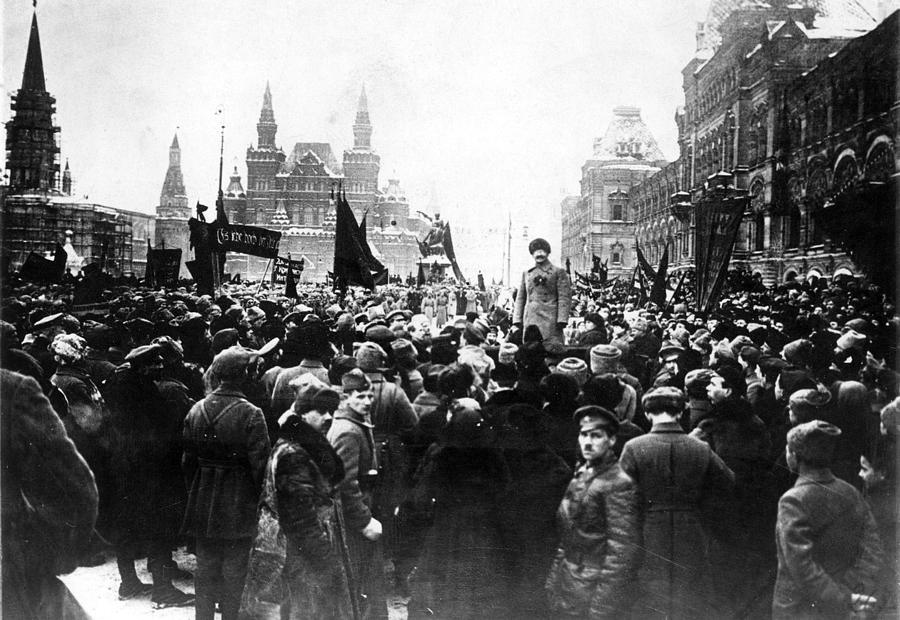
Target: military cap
396,314
355,380
145,355
139,325
223,339
670,348
170,350
665,398
50,320
592,417
292,317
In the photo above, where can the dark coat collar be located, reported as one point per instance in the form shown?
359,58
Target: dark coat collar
667,427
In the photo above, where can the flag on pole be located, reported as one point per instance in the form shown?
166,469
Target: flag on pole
658,289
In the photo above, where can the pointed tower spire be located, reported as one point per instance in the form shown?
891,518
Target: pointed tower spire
33,77
32,152
266,127
362,128
67,180
175,153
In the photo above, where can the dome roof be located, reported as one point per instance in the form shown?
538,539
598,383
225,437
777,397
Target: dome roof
627,139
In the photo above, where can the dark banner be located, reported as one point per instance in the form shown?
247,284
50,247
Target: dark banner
36,268
718,221
246,240
163,267
280,269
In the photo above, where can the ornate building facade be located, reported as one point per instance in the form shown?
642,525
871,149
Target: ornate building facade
292,193
39,208
798,103
601,220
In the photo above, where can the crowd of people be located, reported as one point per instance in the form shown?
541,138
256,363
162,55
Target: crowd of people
535,453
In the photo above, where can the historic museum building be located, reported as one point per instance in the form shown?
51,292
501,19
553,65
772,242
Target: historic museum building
292,193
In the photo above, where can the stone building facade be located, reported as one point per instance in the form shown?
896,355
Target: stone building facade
797,102
292,193
601,220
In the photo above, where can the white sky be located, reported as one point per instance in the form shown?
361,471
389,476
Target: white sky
493,104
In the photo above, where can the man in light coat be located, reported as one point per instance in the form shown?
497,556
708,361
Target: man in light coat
545,295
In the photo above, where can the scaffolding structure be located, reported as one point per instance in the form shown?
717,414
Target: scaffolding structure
36,223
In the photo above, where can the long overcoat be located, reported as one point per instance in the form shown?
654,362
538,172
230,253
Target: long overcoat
226,446
544,299
675,474
828,548
144,436
460,574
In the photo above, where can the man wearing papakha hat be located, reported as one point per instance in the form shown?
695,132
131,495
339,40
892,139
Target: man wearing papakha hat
675,474
829,553
226,446
598,522
545,295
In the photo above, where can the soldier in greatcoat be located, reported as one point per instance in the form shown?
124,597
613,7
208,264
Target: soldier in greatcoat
545,295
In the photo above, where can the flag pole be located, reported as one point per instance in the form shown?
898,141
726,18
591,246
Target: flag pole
263,279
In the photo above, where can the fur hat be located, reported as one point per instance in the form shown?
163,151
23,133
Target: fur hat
69,347
798,352
664,399
538,244
315,395
695,382
890,417
605,358
815,398
574,367
507,353
814,442
477,358
370,357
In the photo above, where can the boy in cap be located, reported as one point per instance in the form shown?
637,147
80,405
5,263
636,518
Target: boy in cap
351,436
829,554
598,523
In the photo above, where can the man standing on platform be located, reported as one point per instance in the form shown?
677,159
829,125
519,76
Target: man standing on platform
545,295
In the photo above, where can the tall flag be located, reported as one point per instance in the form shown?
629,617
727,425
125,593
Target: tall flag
379,271
451,253
350,264
420,278
642,261
658,289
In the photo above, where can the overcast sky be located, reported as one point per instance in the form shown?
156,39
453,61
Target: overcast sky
490,104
